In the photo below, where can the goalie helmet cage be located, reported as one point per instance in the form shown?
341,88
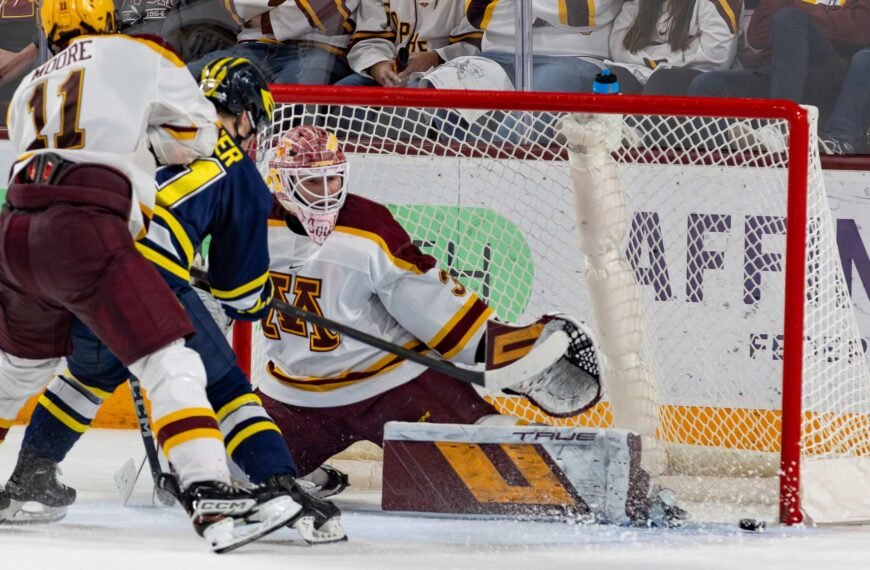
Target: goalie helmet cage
728,337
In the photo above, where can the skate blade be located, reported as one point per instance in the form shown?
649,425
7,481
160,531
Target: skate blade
229,534
330,531
31,512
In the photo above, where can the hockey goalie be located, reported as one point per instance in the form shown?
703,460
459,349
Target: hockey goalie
345,257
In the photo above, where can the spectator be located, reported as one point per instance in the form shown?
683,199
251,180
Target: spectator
804,49
319,32
846,132
570,39
18,46
394,40
193,28
659,46
255,42
570,45
315,37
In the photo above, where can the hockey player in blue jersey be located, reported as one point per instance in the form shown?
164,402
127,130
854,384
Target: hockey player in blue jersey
224,197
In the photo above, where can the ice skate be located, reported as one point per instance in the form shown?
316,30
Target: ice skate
325,481
229,517
34,494
320,521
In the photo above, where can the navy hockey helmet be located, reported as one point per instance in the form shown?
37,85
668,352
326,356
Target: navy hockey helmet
237,87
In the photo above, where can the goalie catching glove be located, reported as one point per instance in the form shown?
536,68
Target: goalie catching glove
568,383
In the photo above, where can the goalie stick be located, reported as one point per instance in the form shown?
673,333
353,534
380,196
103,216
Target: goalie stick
128,474
511,378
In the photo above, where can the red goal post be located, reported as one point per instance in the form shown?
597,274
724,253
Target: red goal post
666,143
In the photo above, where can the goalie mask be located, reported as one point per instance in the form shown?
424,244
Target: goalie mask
309,177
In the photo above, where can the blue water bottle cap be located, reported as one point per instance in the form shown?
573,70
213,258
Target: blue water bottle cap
606,83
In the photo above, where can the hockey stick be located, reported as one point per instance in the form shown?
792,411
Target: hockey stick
128,474
539,359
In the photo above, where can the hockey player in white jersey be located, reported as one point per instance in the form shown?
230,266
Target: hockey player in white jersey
345,257
425,34
81,188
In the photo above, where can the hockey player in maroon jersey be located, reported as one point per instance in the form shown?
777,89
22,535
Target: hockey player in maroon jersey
224,197
81,188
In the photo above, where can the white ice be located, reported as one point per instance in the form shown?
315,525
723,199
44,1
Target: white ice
100,533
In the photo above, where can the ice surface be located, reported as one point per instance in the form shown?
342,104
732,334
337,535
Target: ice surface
99,533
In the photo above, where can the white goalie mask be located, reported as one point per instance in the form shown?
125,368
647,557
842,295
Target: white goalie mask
309,177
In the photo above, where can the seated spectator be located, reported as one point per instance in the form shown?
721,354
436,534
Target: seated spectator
296,42
396,39
255,42
848,129
570,39
19,38
193,28
319,32
659,46
804,49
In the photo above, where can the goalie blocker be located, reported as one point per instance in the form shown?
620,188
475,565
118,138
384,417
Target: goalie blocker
588,475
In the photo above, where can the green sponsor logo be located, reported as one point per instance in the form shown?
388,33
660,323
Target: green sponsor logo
484,250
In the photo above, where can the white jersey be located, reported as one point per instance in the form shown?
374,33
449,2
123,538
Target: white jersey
94,102
327,24
712,30
257,26
561,27
386,25
369,275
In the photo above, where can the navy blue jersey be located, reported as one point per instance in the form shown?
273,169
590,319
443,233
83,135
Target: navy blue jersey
224,197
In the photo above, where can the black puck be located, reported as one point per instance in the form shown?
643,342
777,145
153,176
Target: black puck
752,525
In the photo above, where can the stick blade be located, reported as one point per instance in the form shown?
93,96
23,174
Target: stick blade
126,477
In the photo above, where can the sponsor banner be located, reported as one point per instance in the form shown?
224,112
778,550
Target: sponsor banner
710,262
739,238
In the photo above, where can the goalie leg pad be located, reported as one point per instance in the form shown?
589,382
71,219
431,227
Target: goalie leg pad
586,475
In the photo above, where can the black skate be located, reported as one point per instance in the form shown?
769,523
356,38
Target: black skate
325,481
229,517
33,492
320,522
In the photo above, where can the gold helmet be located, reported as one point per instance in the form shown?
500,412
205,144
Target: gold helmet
63,20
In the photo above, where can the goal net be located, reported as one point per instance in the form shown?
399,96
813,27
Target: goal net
700,243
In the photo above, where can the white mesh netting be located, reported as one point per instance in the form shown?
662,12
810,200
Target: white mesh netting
490,194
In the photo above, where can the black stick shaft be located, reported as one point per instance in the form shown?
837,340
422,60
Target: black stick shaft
443,366
148,440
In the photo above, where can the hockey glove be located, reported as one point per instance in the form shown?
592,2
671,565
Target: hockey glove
571,384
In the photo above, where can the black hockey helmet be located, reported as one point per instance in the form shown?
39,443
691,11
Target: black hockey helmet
236,86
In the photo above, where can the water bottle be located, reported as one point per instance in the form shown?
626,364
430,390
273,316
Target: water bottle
606,83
